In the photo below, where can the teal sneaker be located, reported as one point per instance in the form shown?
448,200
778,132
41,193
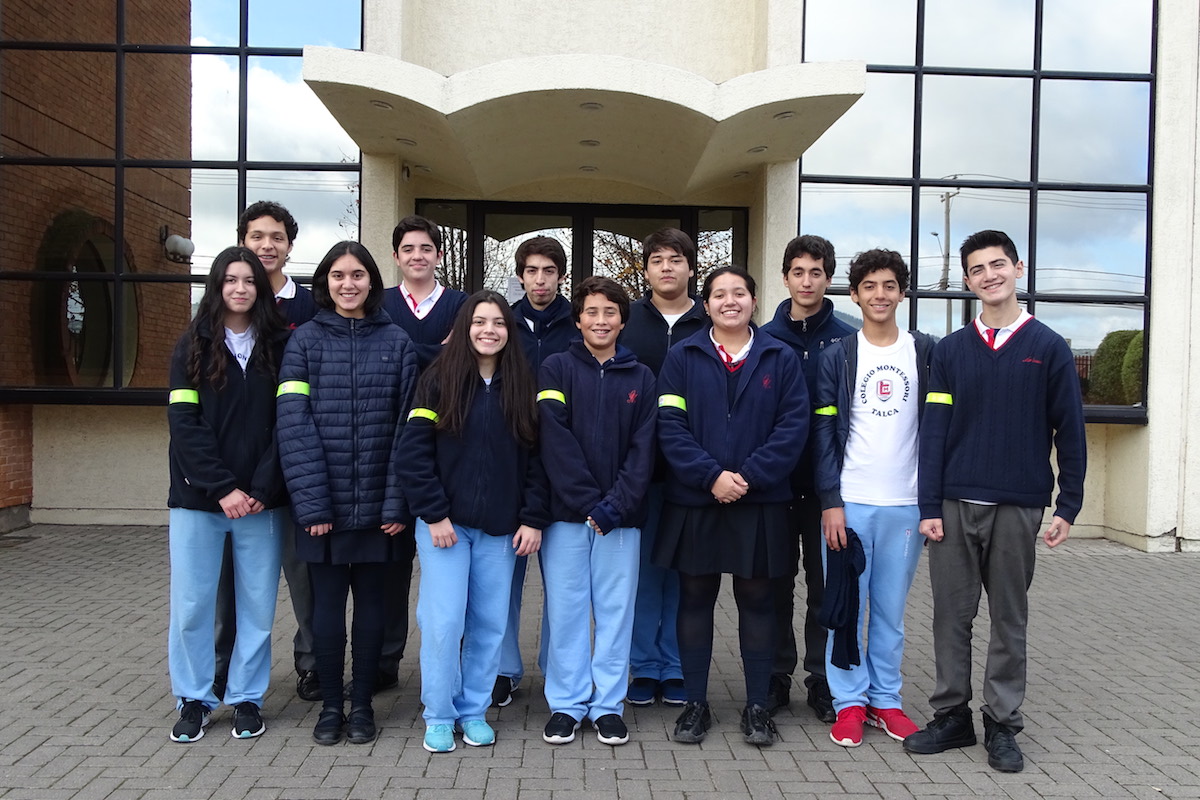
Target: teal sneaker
478,733
439,739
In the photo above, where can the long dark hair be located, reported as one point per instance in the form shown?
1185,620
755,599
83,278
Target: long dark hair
265,318
320,279
454,375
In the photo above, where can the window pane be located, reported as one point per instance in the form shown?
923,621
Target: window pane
955,32
976,127
216,22
286,121
1091,243
451,218
1094,131
214,215
1097,35
971,210
617,250
158,106
325,205
154,199
57,104
160,23
1108,350
164,310
99,25
856,218
846,310
278,23
940,317
875,31
48,213
874,137
721,240
214,108
504,233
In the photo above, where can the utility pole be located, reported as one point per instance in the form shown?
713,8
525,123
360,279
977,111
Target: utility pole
944,284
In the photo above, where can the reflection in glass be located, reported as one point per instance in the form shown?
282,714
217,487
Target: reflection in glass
953,33
42,114
1097,35
1094,131
977,127
164,311
856,218
848,311
876,31
217,22
721,240
214,215
154,199
939,317
1108,348
285,120
158,23
325,205
874,137
158,106
939,265
214,108
39,25
277,23
503,234
617,249
1091,243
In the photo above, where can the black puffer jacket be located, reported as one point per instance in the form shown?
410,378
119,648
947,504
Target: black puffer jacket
344,391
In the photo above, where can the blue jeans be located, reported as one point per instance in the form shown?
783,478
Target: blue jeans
588,577
462,609
892,544
655,646
197,543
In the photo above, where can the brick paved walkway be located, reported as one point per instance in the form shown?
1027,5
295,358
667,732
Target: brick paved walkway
85,705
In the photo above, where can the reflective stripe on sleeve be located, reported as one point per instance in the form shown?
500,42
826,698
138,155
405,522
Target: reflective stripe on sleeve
826,411
940,397
552,394
184,396
672,401
293,387
424,413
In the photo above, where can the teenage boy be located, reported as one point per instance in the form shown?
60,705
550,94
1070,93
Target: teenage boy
598,408
666,315
544,328
806,322
422,306
1000,391
269,230
868,409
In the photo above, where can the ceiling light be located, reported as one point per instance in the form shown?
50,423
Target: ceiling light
406,142
589,168
785,115
589,142
591,106
762,148
382,104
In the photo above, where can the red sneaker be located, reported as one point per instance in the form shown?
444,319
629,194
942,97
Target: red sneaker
892,721
848,730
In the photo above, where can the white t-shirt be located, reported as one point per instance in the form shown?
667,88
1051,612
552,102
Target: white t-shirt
880,465
671,319
241,345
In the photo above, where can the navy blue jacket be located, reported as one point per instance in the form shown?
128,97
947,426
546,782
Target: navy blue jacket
483,478
299,309
552,334
760,436
597,425
831,422
808,338
427,334
344,391
991,416
224,439
646,331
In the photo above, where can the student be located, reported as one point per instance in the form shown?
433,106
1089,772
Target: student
733,419
225,483
1000,391
269,231
665,316
805,322
473,479
345,387
597,409
543,327
868,407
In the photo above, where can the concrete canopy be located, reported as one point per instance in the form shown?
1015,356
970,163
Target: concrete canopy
559,117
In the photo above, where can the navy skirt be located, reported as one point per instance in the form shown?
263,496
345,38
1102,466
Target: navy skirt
749,540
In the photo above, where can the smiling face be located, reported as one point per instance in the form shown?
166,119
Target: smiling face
600,323
238,290
878,295
667,273
992,276
806,282
730,304
267,238
540,278
417,257
488,333
349,285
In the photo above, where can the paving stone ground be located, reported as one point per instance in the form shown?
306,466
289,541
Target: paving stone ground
1113,708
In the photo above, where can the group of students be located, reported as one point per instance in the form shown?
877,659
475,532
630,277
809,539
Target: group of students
642,450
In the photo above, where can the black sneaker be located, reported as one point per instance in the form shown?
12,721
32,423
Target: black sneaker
758,726
610,729
502,692
308,685
386,679
779,693
692,725
560,729
821,702
947,729
1004,755
193,717
360,725
247,721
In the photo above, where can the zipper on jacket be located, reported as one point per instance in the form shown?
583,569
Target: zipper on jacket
354,415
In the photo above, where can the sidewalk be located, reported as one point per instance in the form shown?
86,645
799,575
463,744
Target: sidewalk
1113,708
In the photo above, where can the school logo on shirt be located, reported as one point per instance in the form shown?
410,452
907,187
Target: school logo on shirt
632,397
883,389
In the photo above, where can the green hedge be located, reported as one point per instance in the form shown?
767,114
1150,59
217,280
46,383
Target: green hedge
1131,369
1106,380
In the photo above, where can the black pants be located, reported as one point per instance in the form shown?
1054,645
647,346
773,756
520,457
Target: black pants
804,519
332,584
